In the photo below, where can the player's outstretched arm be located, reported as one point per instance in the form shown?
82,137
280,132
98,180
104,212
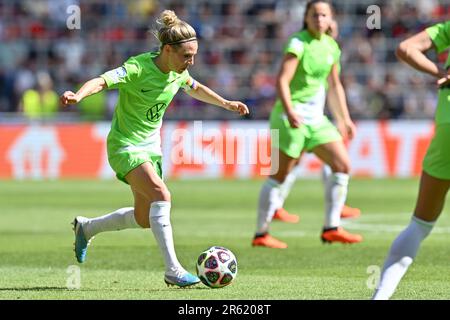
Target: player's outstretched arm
90,87
205,94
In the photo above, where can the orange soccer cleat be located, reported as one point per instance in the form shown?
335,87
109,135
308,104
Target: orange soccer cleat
268,241
349,212
285,216
340,235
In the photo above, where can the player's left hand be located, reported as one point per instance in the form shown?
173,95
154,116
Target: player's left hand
238,106
347,129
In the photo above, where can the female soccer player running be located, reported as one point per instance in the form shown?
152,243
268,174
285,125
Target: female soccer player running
435,179
311,58
147,83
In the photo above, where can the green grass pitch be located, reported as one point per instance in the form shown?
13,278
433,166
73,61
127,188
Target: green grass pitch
36,243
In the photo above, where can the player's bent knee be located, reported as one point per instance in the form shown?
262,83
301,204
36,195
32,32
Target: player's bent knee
345,169
157,193
280,176
341,167
161,194
165,195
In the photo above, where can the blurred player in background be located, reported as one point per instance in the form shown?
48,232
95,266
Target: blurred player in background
435,179
311,59
281,214
147,83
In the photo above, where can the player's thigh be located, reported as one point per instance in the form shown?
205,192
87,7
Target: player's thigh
437,159
287,146
431,198
335,155
435,180
145,180
290,141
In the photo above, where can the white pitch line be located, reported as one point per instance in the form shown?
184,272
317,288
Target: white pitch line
384,215
378,228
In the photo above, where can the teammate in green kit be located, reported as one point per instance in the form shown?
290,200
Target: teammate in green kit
435,179
310,65
147,83
282,214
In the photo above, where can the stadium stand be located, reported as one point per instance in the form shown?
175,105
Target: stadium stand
240,51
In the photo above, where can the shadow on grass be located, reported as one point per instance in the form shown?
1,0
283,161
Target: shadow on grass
43,288
34,289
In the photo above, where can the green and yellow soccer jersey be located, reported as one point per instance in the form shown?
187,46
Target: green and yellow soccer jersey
308,86
144,95
440,35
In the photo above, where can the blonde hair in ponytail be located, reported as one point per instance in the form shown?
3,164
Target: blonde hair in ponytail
173,31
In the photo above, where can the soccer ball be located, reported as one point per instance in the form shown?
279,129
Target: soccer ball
216,267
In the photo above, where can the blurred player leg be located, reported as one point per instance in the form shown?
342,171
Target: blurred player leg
347,211
285,188
269,200
335,155
405,247
282,214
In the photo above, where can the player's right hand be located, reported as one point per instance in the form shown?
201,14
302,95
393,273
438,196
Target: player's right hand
69,97
294,119
347,130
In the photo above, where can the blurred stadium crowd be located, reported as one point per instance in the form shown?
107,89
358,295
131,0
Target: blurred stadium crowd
240,49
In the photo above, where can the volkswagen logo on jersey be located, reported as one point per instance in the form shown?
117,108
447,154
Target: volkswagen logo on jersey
154,113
